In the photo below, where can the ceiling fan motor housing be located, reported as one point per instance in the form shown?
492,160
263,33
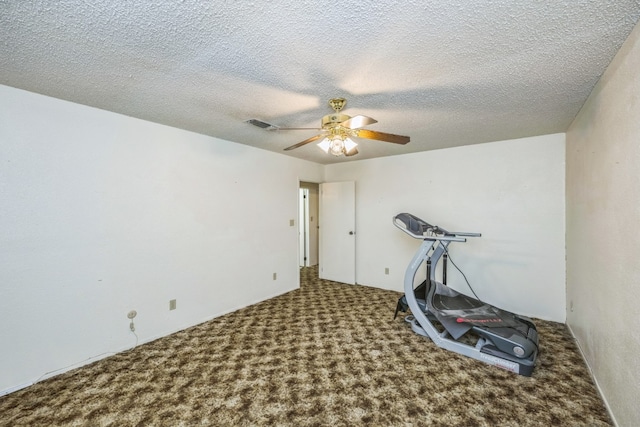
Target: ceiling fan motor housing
332,120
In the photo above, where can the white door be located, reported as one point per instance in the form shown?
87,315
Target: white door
337,232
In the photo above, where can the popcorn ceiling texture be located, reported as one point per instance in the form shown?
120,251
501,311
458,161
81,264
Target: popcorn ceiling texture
445,73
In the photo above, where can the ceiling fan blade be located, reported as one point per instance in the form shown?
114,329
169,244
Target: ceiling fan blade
279,128
261,124
353,152
357,122
268,126
305,142
381,136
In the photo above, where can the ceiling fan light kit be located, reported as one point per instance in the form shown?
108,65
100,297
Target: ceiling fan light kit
338,146
338,130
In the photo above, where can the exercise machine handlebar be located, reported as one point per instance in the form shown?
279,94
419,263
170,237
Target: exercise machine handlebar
419,229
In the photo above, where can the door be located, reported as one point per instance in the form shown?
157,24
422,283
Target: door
337,232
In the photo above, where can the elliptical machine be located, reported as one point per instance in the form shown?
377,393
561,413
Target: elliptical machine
504,339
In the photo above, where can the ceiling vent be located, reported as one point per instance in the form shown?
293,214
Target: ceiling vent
261,124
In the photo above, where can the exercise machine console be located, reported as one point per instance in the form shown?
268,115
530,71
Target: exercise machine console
453,320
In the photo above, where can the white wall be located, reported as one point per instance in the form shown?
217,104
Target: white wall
510,191
603,241
101,214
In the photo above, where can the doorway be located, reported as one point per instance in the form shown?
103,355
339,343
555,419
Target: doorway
308,212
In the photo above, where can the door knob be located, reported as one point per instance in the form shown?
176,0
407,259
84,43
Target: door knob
351,233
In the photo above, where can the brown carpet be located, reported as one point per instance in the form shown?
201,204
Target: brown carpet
327,354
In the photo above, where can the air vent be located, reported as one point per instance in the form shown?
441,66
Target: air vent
261,124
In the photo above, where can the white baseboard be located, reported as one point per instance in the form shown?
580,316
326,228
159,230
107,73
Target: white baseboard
14,388
123,349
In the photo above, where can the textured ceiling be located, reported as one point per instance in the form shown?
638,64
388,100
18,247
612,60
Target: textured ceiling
445,73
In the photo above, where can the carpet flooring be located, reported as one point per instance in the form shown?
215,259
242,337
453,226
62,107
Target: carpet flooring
327,354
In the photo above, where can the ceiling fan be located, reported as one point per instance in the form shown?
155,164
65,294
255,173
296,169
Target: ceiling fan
337,131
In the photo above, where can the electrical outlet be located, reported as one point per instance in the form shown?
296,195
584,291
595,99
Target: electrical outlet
386,270
132,314
275,276
132,327
172,304
292,222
